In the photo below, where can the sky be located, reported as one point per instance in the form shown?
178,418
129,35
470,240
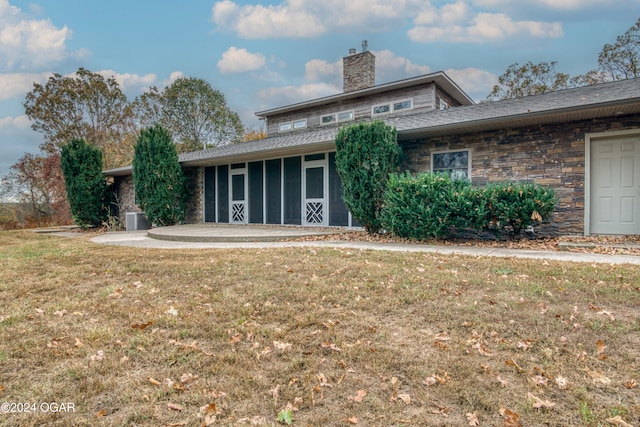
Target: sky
263,55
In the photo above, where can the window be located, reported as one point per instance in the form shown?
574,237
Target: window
457,164
283,127
325,120
343,116
381,109
405,104
442,104
294,125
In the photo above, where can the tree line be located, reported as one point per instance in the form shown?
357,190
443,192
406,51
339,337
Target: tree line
90,107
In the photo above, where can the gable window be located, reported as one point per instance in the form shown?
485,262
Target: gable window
300,124
442,104
405,104
456,164
343,116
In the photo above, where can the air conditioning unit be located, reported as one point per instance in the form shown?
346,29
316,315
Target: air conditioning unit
137,221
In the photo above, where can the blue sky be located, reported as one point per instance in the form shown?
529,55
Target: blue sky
263,55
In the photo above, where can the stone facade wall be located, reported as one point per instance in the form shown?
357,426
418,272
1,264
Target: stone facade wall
551,155
358,71
195,187
125,196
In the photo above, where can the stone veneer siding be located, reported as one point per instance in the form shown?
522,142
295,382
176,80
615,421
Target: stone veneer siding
125,197
551,155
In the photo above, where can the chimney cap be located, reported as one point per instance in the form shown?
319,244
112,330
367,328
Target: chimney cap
352,51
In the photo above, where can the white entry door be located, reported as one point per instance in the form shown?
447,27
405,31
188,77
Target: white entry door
615,185
238,199
315,193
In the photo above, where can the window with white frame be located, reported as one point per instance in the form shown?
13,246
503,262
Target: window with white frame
456,164
343,116
294,125
442,104
391,107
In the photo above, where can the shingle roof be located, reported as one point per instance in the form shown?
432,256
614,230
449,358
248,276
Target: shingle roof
603,100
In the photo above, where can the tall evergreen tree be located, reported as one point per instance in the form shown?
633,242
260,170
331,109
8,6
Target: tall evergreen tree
87,190
158,180
366,153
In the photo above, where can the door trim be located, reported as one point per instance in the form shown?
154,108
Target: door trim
324,164
244,204
587,168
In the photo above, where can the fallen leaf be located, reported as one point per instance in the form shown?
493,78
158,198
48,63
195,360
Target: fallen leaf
178,424
78,343
539,403
601,346
98,357
539,380
174,406
188,378
443,336
172,311
360,394
429,381
598,377
561,382
473,419
323,380
60,313
101,413
141,326
235,339
608,314
330,346
511,418
352,420
618,421
282,346
629,384
406,398
154,381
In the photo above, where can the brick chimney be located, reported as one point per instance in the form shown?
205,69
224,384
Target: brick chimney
358,69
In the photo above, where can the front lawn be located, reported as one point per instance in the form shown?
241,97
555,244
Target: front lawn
321,337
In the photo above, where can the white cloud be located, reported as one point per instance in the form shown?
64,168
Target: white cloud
13,85
236,60
474,82
286,95
29,43
20,122
175,75
321,70
563,5
309,18
130,82
390,67
485,27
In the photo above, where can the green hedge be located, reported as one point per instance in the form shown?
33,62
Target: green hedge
428,205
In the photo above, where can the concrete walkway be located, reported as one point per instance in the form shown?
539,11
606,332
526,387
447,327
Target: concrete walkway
259,237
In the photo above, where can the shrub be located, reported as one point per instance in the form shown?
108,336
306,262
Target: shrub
366,153
420,207
87,190
429,205
157,177
514,207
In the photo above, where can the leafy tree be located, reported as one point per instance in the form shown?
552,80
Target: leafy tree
82,106
254,135
36,182
157,177
193,112
621,60
529,79
86,188
366,153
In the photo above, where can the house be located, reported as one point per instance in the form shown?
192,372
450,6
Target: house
583,142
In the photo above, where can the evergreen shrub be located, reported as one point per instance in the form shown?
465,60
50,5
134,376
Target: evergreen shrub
87,190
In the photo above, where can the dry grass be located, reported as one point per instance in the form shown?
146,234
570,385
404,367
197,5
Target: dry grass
148,337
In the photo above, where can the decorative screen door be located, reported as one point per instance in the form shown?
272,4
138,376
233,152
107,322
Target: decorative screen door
315,193
238,200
